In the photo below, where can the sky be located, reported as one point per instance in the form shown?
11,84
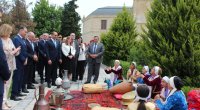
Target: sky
87,6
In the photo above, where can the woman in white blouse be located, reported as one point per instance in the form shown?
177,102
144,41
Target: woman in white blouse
68,53
81,59
11,52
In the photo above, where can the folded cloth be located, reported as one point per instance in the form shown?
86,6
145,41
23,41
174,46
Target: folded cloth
92,88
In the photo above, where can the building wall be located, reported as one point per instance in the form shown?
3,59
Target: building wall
140,8
92,26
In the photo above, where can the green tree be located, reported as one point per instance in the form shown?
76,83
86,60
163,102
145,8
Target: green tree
120,37
47,17
174,36
70,19
16,14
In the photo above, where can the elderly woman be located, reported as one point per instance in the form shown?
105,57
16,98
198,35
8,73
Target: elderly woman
10,52
116,76
140,102
165,89
131,74
176,99
153,81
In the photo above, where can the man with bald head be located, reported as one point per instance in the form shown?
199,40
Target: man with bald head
21,61
54,58
29,68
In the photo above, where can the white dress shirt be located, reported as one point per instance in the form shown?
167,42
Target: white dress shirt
66,49
82,53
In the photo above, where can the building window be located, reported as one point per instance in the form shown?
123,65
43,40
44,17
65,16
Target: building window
103,24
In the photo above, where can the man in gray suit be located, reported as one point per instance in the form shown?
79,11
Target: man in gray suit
95,52
74,66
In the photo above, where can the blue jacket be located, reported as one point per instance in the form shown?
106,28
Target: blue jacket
21,58
53,53
4,70
176,101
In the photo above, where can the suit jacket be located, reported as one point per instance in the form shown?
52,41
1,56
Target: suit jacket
4,70
30,53
42,52
53,53
21,58
99,52
76,46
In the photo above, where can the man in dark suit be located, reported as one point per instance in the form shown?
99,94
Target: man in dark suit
74,66
42,57
21,61
4,72
95,53
29,68
54,57
35,42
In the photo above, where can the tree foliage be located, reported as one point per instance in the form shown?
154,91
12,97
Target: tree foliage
174,36
70,19
16,14
120,37
47,17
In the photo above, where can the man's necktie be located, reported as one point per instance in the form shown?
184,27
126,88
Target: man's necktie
32,45
94,48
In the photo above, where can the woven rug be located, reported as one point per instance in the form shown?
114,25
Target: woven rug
81,100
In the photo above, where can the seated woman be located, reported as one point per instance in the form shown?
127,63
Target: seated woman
176,99
153,81
131,74
145,71
140,102
165,90
116,73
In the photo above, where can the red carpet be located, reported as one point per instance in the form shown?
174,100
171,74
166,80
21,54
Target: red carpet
81,100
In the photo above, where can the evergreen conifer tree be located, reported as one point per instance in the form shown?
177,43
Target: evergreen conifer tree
120,37
70,19
174,36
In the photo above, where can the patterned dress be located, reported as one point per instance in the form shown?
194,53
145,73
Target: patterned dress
176,101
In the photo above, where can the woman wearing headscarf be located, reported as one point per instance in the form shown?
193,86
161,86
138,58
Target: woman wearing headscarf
140,102
115,73
153,81
176,99
165,89
131,74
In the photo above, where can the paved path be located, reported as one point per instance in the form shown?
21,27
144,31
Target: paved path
28,101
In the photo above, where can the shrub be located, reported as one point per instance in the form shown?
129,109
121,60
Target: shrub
125,65
187,89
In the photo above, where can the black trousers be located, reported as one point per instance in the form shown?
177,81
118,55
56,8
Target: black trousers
74,73
52,72
80,69
28,75
42,64
93,70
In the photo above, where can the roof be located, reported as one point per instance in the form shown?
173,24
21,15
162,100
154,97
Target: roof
109,10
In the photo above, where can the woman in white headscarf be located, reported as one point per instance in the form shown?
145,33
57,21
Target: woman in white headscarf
153,81
165,89
140,102
176,99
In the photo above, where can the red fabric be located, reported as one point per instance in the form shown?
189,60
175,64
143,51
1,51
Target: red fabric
81,100
193,100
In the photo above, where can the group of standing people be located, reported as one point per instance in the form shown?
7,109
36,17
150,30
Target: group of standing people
24,54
